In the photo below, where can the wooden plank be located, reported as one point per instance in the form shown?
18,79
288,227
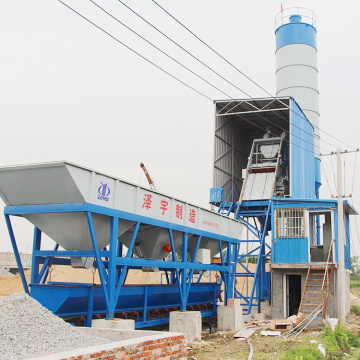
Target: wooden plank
244,333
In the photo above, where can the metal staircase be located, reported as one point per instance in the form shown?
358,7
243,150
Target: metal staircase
316,289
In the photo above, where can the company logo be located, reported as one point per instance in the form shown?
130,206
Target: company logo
104,192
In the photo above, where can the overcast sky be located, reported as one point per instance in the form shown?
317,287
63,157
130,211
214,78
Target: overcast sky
70,92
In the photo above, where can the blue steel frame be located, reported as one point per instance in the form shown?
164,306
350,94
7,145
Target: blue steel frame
261,210
260,289
113,268
264,211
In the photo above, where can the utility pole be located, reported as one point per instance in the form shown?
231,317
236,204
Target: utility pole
341,243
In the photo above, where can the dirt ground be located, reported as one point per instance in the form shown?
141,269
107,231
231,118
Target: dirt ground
217,346
222,346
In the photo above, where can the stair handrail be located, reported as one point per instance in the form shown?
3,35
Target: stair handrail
326,273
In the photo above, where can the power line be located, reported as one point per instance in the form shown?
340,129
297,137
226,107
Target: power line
332,166
186,68
328,184
258,126
157,48
143,57
356,224
215,72
352,246
181,47
353,179
135,52
128,47
213,50
237,69
229,82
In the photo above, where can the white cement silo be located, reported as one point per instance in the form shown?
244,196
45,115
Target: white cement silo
296,67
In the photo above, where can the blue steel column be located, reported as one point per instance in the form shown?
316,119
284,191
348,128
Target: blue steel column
261,259
124,269
35,260
113,250
234,256
45,268
90,307
192,270
184,272
100,265
229,293
16,253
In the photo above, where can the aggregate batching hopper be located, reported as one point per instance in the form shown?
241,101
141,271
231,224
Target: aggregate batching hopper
84,211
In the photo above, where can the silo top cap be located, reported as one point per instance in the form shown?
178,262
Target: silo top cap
293,28
295,18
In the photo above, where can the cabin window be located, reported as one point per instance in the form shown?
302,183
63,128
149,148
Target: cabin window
290,223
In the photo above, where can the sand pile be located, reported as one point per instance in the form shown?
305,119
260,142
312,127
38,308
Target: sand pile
13,285
5,273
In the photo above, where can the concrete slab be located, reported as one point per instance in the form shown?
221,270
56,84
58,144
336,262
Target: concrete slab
260,316
113,324
188,322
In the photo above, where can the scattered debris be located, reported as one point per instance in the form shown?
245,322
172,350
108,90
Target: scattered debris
270,333
303,322
285,325
322,350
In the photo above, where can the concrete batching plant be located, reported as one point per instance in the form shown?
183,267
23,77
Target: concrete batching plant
265,194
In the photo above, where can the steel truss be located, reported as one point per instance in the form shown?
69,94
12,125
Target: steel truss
148,304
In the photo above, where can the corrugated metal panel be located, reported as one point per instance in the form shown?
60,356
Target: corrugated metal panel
302,161
229,158
347,242
291,250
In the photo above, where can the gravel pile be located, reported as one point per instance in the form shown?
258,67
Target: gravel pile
27,330
5,273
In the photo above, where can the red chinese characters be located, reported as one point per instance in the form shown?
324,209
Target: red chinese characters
164,206
179,211
192,215
147,201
